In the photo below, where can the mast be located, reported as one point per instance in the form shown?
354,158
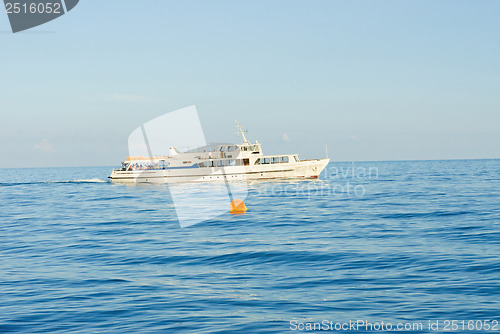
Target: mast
241,132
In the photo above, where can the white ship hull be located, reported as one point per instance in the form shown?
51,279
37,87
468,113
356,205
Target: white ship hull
226,162
291,170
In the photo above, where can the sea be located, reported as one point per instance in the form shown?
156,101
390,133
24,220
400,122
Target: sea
384,246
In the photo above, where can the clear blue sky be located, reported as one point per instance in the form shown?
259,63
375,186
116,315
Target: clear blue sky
375,80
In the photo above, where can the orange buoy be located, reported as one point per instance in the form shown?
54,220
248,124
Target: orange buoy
237,206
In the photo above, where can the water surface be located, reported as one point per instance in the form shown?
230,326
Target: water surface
418,241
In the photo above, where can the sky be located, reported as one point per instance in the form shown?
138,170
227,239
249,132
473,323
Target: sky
373,80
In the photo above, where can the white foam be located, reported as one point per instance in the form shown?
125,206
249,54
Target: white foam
90,181
81,181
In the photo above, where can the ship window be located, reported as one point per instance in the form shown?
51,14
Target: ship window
296,158
211,163
257,162
265,161
275,160
202,164
220,163
246,162
284,159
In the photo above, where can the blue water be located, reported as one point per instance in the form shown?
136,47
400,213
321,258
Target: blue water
416,241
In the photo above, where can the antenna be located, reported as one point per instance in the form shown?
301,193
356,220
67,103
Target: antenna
242,133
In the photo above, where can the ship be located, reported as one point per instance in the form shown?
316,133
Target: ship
223,162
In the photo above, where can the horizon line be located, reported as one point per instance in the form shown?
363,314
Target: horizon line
345,161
